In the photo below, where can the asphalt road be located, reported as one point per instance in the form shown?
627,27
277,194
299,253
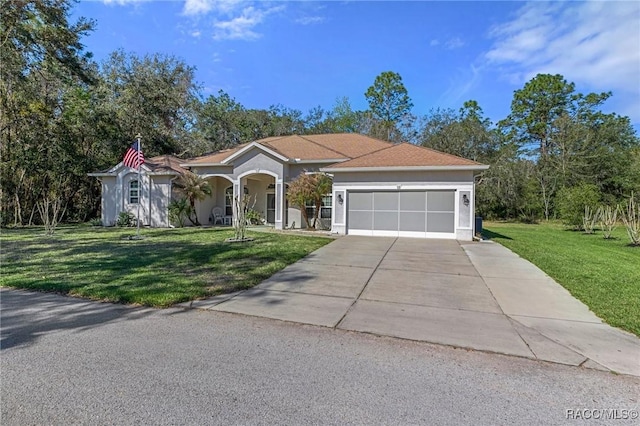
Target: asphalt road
68,361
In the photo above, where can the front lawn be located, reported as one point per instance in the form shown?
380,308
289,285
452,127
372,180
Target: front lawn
167,266
604,274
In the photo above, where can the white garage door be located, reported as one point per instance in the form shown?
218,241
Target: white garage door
402,213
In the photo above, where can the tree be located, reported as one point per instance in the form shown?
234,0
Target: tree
309,189
220,122
572,202
389,101
194,188
536,107
466,133
154,95
42,60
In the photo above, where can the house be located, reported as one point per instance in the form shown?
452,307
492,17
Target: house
379,188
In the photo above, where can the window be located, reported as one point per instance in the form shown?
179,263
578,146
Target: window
134,192
228,200
325,210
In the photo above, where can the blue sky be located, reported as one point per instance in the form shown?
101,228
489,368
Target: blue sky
307,53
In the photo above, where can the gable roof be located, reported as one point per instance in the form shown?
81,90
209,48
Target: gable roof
326,148
165,163
161,164
348,151
406,156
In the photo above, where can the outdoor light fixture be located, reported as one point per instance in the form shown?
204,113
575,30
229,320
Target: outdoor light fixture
340,199
465,199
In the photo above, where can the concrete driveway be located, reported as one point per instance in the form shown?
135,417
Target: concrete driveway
471,295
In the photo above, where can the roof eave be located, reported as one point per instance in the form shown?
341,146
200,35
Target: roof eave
478,167
323,160
252,145
204,165
103,174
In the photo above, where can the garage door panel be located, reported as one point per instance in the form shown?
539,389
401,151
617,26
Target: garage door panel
385,221
440,201
385,201
412,221
440,222
402,213
413,201
361,219
360,201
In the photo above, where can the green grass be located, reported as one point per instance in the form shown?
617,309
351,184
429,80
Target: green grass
167,266
604,274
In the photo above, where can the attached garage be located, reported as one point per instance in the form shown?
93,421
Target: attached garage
402,213
405,191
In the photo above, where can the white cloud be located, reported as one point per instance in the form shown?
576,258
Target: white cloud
309,20
594,44
123,2
454,43
230,19
240,27
202,7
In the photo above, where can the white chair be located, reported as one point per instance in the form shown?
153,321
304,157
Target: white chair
216,213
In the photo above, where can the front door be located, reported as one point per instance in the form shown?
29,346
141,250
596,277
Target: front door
271,208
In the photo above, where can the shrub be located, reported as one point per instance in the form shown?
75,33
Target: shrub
631,218
608,220
179,210
254,217
590,218
571,203
126,220
96,221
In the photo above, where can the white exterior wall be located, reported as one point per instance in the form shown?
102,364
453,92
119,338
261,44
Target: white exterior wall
144,197
109,213
159,200
459,181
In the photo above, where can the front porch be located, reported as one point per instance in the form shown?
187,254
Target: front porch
266,200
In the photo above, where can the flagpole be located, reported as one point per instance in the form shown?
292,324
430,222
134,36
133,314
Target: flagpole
139,137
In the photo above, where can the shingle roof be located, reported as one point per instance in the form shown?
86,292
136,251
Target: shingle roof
301,147
215,157
351,145
405,155
164,163
350,150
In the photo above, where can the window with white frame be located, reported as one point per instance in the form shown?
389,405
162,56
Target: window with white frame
134,192
325,210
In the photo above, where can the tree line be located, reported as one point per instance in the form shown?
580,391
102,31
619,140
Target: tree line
64,115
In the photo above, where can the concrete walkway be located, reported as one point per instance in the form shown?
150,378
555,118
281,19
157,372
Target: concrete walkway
470,295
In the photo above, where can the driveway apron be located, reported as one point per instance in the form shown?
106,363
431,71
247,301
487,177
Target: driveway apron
471,295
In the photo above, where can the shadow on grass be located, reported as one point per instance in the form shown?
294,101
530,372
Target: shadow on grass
26,316
493,235
161,270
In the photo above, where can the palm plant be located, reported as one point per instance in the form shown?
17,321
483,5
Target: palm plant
323,185
193,187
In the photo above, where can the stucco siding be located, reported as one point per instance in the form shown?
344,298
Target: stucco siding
404,178
109,201
256,160
159,201
132,208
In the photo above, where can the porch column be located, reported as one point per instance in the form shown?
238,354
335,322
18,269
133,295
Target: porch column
279,193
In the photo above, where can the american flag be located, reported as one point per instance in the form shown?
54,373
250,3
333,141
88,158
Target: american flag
133,157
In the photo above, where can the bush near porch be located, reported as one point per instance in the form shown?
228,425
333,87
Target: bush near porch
167,266
603,274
